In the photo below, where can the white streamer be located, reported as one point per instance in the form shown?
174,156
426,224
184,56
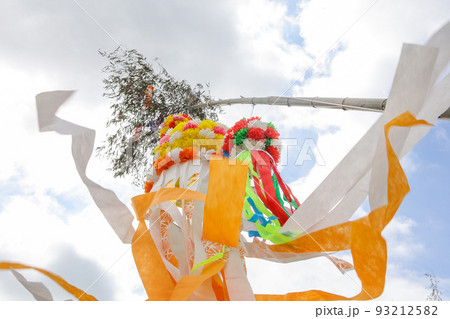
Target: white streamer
116,213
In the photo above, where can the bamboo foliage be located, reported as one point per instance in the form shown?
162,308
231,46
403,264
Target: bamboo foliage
133,125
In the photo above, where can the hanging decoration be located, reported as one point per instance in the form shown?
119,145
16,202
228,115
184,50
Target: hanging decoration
269,201
148,96
179,135
210,185
137,133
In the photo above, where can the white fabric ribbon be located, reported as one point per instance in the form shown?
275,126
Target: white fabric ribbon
116,213
363,171
39,291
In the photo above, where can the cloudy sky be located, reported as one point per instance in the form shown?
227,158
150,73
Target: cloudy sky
345,48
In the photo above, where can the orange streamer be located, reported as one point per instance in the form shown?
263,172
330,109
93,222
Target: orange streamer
222,216
219,218
157,281
188,284
219,288
142,203
362,236
78,293
224,201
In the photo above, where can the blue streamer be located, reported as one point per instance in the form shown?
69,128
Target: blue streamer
253,233
258,215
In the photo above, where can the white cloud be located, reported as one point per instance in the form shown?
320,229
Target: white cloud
442,138
410,162
319,273
404,284
262,26
38,231
402,244
371,46
338,132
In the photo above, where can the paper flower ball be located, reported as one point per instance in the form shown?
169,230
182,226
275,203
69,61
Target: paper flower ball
182,140
252,134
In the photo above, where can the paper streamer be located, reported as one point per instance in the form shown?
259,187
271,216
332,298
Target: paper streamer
224,202
157,281
235,276
78,293
116,213
341,264
148,96
362,236
197,220
39,291
348,184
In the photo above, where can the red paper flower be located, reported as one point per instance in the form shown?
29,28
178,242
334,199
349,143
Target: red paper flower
239,125
273,151
226,145
271,133
230,134
256,133
241,130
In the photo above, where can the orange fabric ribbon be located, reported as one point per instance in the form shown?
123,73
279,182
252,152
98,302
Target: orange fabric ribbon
362,236
188,284
222,219
78,293
157,281
224,202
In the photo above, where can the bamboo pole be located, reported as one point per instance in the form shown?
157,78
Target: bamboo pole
361,104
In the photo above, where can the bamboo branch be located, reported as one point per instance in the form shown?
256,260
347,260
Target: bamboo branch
361,104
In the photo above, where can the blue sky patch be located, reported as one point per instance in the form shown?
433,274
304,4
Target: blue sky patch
297,158
427,203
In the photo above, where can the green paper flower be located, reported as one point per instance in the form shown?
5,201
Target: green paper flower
268,141
240,136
